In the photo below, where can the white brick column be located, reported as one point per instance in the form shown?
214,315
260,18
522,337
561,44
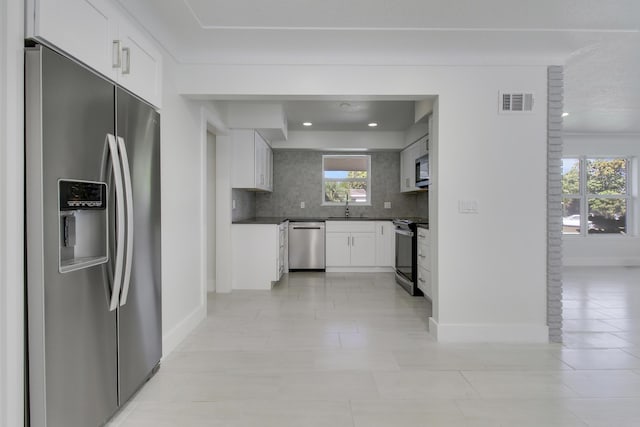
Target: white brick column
554,201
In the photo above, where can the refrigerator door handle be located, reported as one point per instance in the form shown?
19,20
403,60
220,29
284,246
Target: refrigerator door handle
120,218
128,192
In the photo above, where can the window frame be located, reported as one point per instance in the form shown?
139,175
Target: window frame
368,180
584,197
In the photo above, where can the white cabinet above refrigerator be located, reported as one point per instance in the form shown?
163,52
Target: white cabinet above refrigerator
99,35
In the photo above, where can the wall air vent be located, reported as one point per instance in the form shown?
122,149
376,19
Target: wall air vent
516,102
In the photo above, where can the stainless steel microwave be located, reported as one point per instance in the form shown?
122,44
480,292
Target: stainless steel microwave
423,178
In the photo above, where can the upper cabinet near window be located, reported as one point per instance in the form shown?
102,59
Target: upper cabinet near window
252,161
408,158
96,33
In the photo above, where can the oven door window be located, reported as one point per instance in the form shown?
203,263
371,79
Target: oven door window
404,256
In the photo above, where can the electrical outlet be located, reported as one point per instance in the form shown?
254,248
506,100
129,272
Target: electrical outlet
301,205
387,205
233,204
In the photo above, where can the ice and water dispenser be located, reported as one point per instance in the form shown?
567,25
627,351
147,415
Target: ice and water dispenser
83,224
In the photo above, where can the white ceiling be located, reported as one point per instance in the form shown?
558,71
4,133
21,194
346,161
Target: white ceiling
349,115
598,41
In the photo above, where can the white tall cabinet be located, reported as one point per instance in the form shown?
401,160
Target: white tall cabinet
98,34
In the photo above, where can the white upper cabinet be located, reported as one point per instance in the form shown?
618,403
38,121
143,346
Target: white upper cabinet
252,161
408,158
98,34
141,64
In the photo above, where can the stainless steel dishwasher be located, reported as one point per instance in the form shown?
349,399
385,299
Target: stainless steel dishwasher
306,246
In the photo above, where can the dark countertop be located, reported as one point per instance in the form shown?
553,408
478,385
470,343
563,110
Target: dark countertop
279,220
263,220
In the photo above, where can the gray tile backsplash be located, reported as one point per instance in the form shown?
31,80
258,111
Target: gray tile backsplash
245,204
298,178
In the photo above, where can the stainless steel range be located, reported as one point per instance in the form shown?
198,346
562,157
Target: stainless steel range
406,255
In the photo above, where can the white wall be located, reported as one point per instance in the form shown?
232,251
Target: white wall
11,215
211,212
611,249
491,266
183,275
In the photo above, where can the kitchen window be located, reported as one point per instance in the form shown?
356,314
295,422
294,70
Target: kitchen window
595,195
346,177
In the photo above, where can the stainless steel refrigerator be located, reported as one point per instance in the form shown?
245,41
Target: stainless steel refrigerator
92,242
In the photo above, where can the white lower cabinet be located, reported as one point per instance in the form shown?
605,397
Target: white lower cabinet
283,250
385,244
359,245
259,254
424,262
363,249
350,244
338,249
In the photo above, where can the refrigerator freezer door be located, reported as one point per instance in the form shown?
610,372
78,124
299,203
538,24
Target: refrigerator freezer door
69,110
140,316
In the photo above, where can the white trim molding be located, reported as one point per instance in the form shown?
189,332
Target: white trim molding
488,332
176,335
11,214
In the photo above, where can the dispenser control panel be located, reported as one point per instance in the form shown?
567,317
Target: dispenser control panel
82,195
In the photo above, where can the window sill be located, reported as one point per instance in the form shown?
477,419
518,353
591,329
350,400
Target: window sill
342,205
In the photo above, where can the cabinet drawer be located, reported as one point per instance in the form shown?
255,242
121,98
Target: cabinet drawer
350,226
424,282
423,233
424,257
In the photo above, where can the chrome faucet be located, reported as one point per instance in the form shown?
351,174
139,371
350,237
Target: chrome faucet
346,207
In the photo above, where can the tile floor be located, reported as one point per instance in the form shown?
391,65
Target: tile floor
352,350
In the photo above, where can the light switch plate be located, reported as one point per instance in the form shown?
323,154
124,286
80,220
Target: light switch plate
468,206
233,204
387,205
301,205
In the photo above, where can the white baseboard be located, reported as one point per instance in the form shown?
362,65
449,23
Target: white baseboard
600,261
174,337
360,270
488,332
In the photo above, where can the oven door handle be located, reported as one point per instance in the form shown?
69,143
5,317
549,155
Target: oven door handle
404,232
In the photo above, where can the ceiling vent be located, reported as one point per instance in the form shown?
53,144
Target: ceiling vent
516,102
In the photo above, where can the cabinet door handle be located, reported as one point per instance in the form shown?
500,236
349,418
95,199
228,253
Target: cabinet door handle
353,241
422,256
382,230
126,60
115,54
348,241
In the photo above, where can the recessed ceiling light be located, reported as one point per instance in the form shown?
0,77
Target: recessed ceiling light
307,124
373,124
565,114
